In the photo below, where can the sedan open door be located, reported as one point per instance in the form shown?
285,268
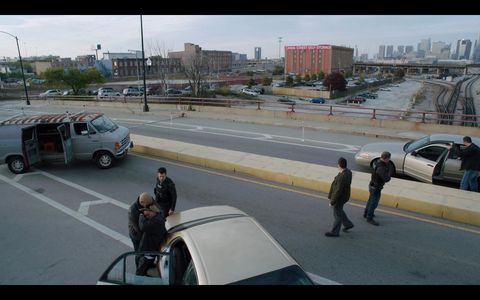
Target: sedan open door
425,163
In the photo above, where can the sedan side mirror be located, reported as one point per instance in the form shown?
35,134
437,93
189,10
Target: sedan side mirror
414,153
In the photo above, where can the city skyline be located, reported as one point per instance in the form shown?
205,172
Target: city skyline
74,35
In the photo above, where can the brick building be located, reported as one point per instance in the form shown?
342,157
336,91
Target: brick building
133,67
213,60
313,59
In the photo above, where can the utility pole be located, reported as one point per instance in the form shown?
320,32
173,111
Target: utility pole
145,105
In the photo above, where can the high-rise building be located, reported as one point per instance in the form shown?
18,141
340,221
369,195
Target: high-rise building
476,51
313,59
464,47
424,45
389,53
364,57
408,49
401,49
437,47
212,60
258,53
381,52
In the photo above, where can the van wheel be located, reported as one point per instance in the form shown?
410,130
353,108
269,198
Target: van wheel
104,160
16,165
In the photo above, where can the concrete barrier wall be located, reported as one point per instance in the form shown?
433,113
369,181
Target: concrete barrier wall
438,201
301,116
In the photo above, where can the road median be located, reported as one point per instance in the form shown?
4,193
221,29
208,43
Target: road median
433,200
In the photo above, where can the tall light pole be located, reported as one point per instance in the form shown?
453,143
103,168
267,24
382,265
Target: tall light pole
279,47
21,66
138,68
145,105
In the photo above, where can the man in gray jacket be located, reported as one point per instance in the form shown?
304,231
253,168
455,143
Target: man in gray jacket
339,195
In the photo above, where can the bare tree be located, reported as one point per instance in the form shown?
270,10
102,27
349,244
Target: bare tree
160,53
194,67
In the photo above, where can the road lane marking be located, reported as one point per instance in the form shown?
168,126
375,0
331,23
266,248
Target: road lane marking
309,194
86,190
84,206
260,136
102,228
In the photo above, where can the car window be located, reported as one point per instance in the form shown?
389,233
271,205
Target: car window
431,153
453,154
104,124
79,127
292,275
412,145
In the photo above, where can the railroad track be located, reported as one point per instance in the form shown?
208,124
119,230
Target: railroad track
469,112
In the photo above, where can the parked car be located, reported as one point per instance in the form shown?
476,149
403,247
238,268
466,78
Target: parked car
50,93
210,246
425,159
249,92
356,100
173,92
107,92
317,100
132,91
286,101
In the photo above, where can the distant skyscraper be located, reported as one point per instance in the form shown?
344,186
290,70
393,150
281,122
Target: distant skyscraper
464,48
381,52
364,57
389,51
476,51
400,49
258,53
424,45
437,48
408,49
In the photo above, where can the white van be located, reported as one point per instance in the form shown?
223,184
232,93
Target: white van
29,139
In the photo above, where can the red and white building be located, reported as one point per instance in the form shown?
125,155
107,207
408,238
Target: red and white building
313,59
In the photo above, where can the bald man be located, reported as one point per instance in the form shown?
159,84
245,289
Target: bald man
143,201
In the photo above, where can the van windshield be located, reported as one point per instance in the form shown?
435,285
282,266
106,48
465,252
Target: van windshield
104,124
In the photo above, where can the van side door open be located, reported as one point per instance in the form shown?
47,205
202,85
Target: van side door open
66,142
30,149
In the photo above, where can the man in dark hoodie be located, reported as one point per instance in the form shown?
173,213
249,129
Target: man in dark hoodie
382,173
339,195
165,192
470,156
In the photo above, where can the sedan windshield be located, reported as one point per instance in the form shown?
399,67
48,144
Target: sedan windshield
412,145
104,124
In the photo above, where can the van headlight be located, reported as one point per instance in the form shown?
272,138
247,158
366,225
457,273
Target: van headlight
118,146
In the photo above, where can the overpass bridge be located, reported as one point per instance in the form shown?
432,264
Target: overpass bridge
419,68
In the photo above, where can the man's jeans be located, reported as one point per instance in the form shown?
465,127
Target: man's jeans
469,179
372,202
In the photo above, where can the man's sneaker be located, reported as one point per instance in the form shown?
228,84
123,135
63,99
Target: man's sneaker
365,216
345,229
373,222
331,234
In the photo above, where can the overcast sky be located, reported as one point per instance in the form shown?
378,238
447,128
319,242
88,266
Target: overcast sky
73,35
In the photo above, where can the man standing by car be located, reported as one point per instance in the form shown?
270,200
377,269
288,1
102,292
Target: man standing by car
339,195
470,157
381,174
165,192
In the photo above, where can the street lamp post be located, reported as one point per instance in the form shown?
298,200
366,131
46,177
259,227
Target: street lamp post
21,66
145,105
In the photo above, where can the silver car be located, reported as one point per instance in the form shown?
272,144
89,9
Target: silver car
425,159
212,245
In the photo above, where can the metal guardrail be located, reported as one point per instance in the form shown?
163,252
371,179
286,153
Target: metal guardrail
328,109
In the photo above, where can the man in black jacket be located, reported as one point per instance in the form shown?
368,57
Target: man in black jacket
339,195
470,156
381,174
143,201
165,192
152,223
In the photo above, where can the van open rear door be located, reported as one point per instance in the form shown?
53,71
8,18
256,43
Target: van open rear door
30,149
66,142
